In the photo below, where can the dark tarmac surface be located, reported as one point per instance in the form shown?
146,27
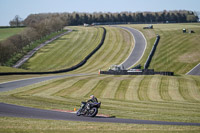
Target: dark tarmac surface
195,70
25,82
27,112
139,48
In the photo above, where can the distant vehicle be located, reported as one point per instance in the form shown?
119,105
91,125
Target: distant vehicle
86,25
116,68
148,27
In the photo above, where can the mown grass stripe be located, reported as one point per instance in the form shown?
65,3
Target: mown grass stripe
86,88
51,91
115,40
183,89
41,88
143,88
80,81
173,43
72,48
122,89
173,89
131,93
100,56
193,89
153,90
111,89
73,88
164,89
99,88
126,45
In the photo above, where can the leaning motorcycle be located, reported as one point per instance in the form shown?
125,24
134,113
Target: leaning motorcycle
88,109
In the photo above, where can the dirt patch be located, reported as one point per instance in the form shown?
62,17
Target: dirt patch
189,57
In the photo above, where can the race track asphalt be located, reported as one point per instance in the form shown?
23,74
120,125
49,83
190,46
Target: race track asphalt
25,82
195,70
139,48
27,112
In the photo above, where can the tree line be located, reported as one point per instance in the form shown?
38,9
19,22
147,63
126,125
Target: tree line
43,24
76,18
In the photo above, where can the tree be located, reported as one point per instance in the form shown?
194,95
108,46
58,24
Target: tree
17,21
124,17
191,18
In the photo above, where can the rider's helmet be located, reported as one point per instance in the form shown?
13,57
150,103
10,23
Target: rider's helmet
91,96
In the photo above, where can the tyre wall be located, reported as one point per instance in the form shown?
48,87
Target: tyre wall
146,65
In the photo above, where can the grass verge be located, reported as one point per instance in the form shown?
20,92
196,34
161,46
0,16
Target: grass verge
118,95
176,51
22,125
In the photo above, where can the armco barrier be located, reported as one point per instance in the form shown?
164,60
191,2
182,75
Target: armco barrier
63,70
146,65
144,72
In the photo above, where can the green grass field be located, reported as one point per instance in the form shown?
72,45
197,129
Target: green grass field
23,125
66,51
117,46
70,49
163,98
7,32
138,97
160,98
176,51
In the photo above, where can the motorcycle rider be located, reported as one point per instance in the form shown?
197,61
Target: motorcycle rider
92,100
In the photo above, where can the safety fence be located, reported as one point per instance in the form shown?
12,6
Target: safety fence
67,69
146,65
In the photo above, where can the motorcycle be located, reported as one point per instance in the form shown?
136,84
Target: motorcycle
88,109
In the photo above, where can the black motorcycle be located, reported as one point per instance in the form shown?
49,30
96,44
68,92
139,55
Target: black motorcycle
88,109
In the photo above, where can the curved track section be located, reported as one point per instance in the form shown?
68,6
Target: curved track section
139,48
25,82
20,111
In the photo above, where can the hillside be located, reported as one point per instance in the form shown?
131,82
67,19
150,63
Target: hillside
139,97
70,49
66,51
177,51
153,97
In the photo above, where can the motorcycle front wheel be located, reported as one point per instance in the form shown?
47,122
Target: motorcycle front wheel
93,112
